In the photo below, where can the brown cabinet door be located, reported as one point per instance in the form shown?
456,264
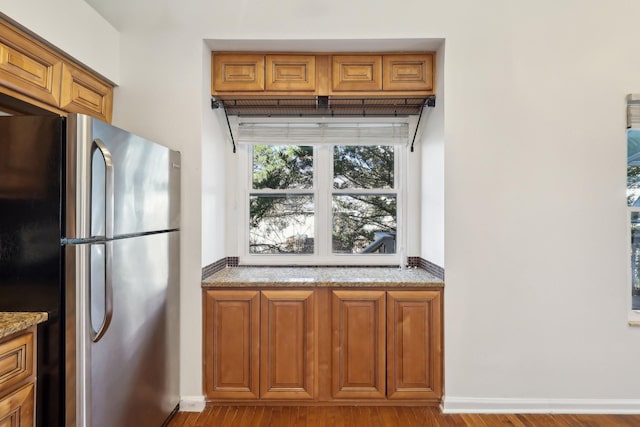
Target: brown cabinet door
231,346
287,341
237,73
414,348
16,409
408,72
28,68
358,368
356,73
85,94
290,72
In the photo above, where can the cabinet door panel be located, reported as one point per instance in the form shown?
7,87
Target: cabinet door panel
408,72
83,93
414,360
287,345
28,68
290,72
231,344
358,369
238,73
16,409
356,73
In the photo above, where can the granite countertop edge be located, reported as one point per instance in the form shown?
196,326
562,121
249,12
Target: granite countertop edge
322,277
13,322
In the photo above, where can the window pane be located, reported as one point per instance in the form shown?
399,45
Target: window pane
363,166
633,167
635,260
282,167
281,224
364,224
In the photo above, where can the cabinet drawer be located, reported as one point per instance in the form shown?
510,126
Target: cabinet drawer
16,360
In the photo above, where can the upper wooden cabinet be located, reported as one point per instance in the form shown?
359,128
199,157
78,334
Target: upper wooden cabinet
239,73
291,72
36,73
356,73
29,68
408,72
83,93
322,74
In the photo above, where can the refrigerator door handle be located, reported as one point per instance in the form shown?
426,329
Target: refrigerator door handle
99,145
108,294
108,186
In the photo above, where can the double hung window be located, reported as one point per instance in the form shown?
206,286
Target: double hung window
322,193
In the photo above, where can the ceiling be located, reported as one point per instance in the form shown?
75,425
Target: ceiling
126,15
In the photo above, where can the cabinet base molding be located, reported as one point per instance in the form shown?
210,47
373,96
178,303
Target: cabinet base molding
369,402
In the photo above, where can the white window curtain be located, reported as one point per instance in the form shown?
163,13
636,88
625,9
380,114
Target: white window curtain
370,133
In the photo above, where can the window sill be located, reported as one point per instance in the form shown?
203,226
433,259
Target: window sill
634,318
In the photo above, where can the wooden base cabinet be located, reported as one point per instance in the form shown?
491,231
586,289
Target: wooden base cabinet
347,346
17,379
414,345
259,344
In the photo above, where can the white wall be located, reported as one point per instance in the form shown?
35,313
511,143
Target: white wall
534,152
433,185
74,27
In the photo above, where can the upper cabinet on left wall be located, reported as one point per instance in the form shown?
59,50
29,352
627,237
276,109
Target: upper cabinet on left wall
34,72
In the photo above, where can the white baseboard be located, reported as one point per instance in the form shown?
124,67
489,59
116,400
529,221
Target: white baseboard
461,405
192,404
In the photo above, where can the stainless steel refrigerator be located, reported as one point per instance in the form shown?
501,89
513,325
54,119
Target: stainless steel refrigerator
89,232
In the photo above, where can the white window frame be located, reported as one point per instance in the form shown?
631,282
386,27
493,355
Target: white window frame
633,315
240,189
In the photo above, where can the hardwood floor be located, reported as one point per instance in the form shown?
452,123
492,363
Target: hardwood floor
372,416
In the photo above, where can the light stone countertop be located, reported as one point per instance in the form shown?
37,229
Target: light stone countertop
344,277
11,323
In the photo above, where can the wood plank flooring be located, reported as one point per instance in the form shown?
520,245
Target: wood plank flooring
389,416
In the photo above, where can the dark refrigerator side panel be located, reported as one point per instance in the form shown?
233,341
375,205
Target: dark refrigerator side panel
31,171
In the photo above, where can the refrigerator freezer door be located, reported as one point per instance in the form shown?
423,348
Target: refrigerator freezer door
131,373
144,177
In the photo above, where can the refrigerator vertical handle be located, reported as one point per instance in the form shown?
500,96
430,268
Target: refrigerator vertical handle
108,294
108,229
108,186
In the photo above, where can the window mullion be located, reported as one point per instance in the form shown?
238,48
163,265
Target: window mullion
323,211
